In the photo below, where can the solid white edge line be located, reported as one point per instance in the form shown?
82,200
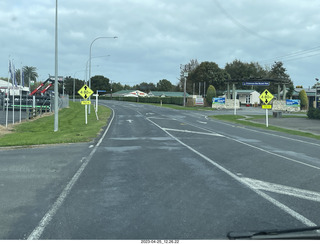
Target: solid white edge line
37,232
278,204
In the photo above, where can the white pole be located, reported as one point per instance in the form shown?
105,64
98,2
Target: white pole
14,77
97,102
235,105
267,118
56,98
85,112
20,91
8,91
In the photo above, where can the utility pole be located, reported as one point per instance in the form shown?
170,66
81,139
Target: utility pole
56,95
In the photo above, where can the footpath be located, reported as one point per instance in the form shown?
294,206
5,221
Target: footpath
301,124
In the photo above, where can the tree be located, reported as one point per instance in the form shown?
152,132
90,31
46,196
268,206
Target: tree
99,82
279,72
30,74
211,93
303,99
191,66
145,87
241,70
211,74
116,87
68,85
164,85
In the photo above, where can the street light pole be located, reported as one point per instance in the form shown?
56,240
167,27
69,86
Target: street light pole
100,37
56,101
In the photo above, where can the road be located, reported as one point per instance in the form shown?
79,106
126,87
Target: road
158,173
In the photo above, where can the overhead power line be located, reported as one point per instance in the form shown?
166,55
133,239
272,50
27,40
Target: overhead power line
310,52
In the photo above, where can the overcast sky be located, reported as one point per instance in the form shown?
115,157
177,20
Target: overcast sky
156,36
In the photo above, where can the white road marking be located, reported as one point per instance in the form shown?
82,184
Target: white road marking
37,232
193,132
281,189
268,133
278,204
202,122
258,148
129,120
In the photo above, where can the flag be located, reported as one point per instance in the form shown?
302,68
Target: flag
22,77
15,77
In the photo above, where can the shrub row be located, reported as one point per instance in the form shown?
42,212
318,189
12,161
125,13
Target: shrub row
313,113
165,100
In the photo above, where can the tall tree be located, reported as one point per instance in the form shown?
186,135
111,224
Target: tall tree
30,74
99,82
164,85
68,85
211,74
242,70
189,67
277,71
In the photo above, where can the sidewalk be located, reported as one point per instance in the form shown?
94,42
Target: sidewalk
301,124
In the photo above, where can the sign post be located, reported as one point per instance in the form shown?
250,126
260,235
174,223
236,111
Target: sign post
85,92
266,98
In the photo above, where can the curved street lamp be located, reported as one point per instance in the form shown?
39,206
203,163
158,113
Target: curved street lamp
100,37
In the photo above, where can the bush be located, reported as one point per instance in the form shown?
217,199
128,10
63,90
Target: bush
313,113
304,99
211,93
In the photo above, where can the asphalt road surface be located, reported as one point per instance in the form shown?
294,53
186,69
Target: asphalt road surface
158,173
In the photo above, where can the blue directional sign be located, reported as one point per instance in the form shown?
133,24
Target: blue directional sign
219,100
101,91
256,83
293,102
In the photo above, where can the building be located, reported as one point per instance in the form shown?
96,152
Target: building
247,97
6,86
129,93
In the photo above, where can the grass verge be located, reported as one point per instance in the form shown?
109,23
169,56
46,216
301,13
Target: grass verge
246,121
72,128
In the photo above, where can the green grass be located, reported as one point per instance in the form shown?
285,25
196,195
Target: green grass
72,128
245,120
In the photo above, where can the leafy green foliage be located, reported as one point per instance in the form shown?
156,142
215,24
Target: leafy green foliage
211,93
304,99
30,74
164,85
313,113
210,73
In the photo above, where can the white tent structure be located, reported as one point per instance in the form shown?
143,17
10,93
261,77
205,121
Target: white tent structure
6,86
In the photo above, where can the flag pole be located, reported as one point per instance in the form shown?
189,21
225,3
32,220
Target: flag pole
7,109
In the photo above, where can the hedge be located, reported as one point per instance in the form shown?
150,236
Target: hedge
165,100
313,113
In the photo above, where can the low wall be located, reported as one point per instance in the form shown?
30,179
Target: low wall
229,104
282,106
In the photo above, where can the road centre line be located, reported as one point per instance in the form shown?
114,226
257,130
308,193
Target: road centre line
44,222
278,204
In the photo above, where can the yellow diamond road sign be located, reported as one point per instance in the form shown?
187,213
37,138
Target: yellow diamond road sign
85,92
266,96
